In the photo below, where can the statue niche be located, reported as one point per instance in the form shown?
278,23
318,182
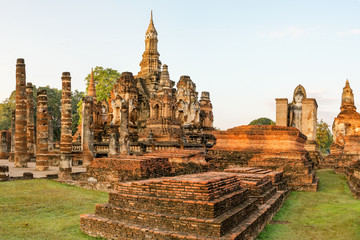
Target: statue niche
295,108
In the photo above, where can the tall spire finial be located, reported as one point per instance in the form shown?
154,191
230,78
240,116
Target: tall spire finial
91,89
151,31
347,99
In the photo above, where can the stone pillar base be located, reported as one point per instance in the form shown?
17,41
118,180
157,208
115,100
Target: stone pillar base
42,162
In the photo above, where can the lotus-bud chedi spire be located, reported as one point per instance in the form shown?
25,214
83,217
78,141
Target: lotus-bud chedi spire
150,62
347,99
91,89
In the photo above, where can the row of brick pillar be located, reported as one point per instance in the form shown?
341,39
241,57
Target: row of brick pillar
23,146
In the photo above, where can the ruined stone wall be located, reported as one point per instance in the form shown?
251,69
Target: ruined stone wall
282,112
309,118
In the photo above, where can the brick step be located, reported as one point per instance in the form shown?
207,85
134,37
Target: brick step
256,222
263,198
280,185
257,189
170,222
112,229
118,230
310,187
202,186
189,208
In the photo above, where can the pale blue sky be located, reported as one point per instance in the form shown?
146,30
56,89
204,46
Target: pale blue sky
246,53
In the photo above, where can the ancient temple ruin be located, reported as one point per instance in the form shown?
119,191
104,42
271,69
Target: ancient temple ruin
346,133
145,112
301,113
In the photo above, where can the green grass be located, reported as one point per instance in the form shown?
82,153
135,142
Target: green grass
44,209
330,213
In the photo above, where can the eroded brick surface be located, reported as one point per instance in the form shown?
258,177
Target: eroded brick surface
275,148
212,205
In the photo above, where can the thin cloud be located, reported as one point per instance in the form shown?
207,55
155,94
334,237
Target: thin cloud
292,32
352,32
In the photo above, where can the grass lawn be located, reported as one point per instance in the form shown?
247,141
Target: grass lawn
330,213
44,209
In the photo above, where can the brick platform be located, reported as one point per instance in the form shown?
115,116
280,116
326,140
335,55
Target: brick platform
212,205
274,148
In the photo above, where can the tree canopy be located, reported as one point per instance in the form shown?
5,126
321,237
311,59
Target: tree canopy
6,109
262,121
54,108
324,136
105,80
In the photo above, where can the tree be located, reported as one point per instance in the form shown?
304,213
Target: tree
323,136
105,80
54,108
262,121
6,109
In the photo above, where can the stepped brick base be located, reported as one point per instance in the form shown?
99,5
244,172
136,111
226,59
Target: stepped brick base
212,205
353,176
274,148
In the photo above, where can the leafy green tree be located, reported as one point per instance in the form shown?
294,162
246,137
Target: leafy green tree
262,121
6,109
54,108
105,80
323,136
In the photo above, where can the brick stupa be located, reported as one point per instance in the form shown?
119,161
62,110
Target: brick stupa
346,130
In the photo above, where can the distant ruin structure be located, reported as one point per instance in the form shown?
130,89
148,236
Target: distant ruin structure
5,137
301,113
148,112
346,133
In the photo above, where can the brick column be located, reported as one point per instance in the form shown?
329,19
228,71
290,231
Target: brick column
112,141
42,131
66,122
51,134
124,129
20,156
12,147
30,121
4,145
281,112
87,128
